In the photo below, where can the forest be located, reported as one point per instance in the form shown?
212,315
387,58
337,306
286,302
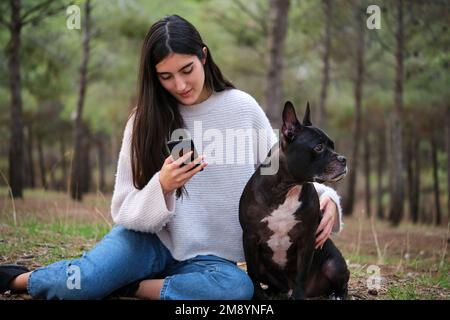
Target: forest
376,74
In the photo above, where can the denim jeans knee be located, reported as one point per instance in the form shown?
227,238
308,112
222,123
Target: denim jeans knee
121,257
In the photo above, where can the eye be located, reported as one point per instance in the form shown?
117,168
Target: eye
165,77
319,148
187,71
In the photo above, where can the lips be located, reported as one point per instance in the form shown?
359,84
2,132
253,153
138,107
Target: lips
339,176
335,178
186,93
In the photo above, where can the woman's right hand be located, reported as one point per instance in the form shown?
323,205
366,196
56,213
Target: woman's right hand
173,176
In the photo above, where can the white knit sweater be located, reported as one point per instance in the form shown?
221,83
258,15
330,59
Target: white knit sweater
206,221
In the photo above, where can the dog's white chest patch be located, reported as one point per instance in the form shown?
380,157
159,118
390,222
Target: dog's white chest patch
281,221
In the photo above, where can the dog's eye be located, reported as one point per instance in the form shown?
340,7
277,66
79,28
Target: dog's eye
318,148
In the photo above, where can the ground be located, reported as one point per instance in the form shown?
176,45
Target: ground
407,262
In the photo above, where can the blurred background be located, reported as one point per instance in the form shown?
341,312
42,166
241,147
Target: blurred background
375,72
377,79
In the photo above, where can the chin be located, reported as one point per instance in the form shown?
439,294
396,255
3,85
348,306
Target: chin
188,101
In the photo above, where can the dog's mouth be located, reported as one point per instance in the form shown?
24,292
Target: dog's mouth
339,176
334,178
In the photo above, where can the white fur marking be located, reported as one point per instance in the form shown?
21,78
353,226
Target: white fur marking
281,221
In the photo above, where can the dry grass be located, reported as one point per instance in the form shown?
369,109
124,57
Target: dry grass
413,260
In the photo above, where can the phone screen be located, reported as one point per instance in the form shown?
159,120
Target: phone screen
180,147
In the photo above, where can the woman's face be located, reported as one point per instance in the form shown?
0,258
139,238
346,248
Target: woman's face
184,77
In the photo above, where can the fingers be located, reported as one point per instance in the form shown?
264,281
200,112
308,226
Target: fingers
192,164
183,159
320,240
189,174
324,229
324,221
323,202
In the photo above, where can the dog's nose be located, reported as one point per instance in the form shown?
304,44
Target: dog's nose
342,160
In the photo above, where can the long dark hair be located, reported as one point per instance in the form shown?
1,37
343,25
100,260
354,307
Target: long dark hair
156,113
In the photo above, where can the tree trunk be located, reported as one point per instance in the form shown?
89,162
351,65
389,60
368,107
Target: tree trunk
42,163
358,87
77,167
367,173
381,162
279,10
326,64
397,192
16,140
436,191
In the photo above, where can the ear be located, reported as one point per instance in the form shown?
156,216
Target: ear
290,121
205,53
307,117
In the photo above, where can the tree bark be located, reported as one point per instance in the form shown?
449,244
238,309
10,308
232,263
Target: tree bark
436,190
279,10
16,160
358,87
77,167
326,64
397,192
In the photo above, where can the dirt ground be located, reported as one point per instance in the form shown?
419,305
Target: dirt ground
407,262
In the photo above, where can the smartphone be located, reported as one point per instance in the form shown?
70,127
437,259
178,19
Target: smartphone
178,148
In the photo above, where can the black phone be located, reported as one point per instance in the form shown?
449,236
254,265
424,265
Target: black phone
178,148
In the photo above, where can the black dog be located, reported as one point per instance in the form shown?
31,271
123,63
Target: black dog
280,213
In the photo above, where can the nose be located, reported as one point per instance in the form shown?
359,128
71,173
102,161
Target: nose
180,84
342,160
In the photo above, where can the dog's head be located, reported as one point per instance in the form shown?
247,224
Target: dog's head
308,150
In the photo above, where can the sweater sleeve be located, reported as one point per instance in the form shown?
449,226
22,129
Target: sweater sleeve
323,190
146,210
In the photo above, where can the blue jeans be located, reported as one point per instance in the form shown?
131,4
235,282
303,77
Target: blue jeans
124,256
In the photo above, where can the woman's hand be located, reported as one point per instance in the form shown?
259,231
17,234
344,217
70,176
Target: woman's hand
329,209
173,176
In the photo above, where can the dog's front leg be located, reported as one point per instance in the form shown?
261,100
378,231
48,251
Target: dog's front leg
252,259
303,265
305,255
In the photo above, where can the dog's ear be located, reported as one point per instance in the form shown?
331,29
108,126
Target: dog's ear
307,116
290,122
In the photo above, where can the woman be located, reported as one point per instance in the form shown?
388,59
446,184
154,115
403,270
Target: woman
177,233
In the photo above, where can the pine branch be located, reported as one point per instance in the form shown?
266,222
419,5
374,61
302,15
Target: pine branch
42,11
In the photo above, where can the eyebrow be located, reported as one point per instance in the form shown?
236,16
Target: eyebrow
184,67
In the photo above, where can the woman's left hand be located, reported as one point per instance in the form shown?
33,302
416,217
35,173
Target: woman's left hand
329,209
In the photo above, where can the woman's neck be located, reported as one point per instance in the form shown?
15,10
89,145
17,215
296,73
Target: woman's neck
206,93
